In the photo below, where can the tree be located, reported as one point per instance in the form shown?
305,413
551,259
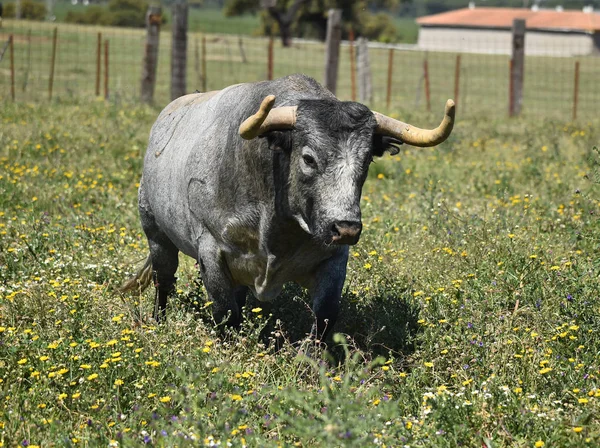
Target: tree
308,18
284,19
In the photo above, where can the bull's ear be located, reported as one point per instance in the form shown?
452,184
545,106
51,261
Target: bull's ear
383,143
279,140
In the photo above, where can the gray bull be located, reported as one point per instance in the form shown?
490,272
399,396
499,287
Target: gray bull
257,213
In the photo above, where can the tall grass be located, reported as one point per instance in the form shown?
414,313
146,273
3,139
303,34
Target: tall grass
469,317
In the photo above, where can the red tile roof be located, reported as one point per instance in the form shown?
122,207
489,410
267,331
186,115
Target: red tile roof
503,18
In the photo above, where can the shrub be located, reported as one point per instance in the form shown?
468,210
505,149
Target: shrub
30,10
379,27
93,15
127,13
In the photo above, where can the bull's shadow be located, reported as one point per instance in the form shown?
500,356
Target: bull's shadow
379,324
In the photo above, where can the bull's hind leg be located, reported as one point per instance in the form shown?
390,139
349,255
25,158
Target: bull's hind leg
165,259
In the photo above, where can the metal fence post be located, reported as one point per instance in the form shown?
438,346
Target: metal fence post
576,90
352,65
426,80
204,73
98,63
106,67
388,98
270,59
456,79
52,62
12,67
179,50
332,48
517,67
153,19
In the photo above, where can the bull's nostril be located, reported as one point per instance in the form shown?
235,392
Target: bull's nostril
335,230
346,232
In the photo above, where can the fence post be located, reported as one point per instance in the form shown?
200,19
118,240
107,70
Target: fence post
26,77
12,67
389,79
153,19
332,48
204,74
456,79
98,63
18,9
197,61
270,59
179,49
242,52
365,87
576,90
52,61
517,67
426,79
352,65
49,10
106,69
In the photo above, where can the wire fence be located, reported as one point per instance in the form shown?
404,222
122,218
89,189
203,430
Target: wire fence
60,61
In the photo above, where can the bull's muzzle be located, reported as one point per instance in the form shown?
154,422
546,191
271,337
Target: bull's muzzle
345,232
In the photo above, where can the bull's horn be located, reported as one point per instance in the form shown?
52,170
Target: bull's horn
415,136
268,119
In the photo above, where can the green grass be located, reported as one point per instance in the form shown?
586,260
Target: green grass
469,317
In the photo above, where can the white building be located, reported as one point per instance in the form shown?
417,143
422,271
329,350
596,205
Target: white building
488,30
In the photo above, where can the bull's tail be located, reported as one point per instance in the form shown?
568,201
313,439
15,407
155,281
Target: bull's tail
140,281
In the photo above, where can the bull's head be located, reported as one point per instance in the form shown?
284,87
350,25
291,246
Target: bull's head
329,154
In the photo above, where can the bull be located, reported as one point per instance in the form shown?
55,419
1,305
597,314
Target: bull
261,184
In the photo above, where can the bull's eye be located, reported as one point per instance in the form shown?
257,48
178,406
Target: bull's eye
309,160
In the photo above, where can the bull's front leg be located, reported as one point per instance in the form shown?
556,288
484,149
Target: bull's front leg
326,292
227,297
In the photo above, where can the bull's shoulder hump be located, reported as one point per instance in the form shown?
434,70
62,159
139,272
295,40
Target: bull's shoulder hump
187,101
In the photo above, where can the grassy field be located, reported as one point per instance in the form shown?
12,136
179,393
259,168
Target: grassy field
469,317
483,84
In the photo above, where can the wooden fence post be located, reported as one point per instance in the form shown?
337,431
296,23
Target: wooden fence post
389,78
12,67
332,48
352,65
153,19
52,61
98,63
517,67
179,50
106,52
456,79
270,59
365,86
576,90
426,79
